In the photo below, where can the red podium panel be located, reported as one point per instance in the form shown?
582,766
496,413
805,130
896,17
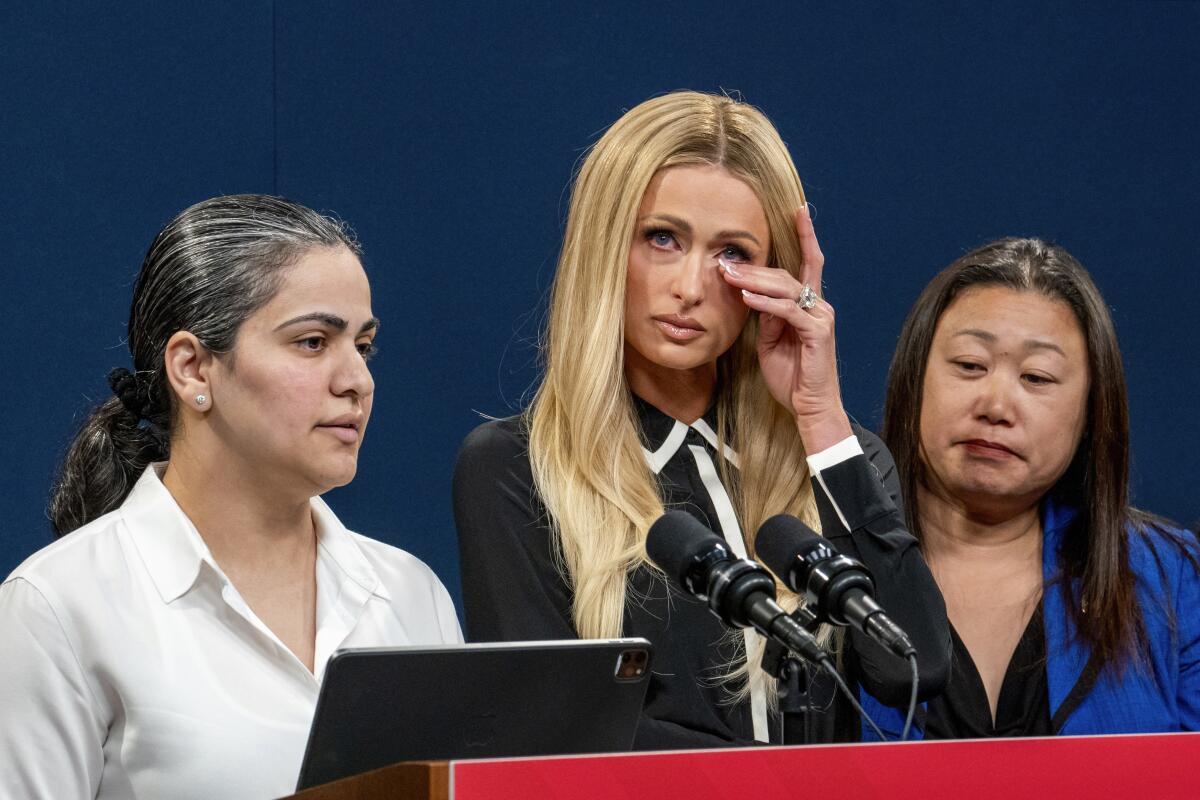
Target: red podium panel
1151,766
1146,766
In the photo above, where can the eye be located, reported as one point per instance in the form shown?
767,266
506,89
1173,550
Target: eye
970,367
731,252
1037,380
313,344
367,350
662,239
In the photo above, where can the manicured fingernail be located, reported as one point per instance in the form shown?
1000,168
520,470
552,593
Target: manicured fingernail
729,268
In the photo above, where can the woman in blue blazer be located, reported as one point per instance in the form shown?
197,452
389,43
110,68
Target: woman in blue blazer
1072,612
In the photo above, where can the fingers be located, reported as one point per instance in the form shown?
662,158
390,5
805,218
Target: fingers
768,281
770,330
809,323
811,258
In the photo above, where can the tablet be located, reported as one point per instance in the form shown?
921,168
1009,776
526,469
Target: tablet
378,706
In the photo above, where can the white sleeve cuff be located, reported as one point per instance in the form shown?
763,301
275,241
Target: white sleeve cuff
835,454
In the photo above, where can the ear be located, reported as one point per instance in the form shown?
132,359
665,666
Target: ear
188,364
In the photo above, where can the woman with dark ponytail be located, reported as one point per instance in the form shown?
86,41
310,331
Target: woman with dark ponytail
172,642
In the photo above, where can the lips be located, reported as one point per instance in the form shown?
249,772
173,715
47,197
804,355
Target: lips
989,449
345,427
677,328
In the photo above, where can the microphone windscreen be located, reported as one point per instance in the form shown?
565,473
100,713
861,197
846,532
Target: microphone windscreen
675,540
780,540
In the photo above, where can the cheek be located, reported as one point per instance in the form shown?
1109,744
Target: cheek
934,414
280,391
1062,425
734,310
639,281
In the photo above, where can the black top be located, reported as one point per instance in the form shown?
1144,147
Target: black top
1023,708
513,590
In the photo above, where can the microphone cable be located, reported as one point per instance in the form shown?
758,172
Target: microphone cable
841,684
912,698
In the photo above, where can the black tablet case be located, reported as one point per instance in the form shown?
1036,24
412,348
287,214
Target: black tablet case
378,706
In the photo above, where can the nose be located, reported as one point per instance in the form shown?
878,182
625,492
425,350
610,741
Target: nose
351,375
996,400
689,281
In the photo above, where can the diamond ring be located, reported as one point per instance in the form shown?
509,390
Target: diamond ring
807,298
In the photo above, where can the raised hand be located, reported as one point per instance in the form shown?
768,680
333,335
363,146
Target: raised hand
796,347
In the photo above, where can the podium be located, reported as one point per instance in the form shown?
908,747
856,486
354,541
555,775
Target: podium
1160,766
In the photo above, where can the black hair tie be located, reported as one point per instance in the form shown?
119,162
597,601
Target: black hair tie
132,391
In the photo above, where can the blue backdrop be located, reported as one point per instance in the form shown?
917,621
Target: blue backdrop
447,136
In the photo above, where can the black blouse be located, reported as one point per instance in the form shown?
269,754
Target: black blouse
513,590
1023,707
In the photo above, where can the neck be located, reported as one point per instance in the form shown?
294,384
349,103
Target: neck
952,530
684,394
244,520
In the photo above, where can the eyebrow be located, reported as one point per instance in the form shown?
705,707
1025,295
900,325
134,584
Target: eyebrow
686,228
330,320
1030,344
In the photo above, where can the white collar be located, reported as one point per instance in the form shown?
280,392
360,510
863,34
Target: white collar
658,459
173,550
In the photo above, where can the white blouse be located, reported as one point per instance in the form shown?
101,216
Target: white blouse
131,667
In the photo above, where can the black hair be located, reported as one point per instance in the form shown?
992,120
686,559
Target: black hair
206,272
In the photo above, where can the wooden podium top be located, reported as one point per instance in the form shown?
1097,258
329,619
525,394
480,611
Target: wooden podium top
1149,766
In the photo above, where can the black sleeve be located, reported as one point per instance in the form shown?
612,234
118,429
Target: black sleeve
512,589
860,507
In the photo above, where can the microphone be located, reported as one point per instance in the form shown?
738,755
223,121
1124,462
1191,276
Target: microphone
840,587
738,591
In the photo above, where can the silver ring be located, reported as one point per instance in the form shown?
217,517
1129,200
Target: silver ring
808,298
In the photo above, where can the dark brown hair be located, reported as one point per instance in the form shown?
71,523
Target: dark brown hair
209,268
1095,551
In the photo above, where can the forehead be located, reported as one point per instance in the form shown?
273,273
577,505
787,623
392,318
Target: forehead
1013,317
330,277
703,192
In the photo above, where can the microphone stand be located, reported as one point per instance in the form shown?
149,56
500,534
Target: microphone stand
795,679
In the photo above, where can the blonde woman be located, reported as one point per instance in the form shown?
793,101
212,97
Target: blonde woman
689,364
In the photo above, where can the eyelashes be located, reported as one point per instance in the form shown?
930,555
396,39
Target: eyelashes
319,344
665,239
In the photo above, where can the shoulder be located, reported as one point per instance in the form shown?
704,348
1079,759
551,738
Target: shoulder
496,454
66,591
414,590
1159,550
496,442
91,553
396,568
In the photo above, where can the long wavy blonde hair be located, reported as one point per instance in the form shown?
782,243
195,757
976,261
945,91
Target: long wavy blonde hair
584,446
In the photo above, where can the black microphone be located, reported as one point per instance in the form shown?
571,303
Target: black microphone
740,592
840,587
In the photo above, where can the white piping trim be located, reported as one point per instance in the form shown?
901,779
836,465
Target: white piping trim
727,519
832,502
666,451
701,427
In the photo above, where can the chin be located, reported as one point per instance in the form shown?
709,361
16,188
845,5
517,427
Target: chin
683,357
331,476
985,487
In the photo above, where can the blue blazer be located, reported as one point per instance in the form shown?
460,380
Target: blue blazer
1160,695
